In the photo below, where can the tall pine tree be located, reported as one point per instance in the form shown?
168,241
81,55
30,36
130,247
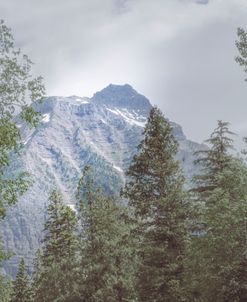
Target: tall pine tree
37,272
214,160
241,44
21,285
55,277
155,193
218,247
107,260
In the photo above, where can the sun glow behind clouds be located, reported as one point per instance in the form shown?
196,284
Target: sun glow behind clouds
119,47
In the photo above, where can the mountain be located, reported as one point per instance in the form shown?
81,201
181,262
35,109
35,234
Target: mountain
102,131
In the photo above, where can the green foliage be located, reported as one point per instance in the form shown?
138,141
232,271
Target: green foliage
155,193
37,275
241,44
213,160
107,260
21,285
217,255
5,283
18,89
5,289
238,290
54,277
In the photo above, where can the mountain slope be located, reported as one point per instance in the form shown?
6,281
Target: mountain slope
103,132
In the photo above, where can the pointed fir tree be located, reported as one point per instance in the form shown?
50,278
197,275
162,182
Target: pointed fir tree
21,285
217,249
37,273
155,193
214,160
241,44
55,270
107,260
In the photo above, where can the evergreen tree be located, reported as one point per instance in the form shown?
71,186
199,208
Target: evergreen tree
21,285
107,261
241,44
155,193
214,160
5,289
219,245
239,289
55,268
37,274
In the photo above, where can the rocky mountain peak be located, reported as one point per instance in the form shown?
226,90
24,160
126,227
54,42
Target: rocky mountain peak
122,96
102,132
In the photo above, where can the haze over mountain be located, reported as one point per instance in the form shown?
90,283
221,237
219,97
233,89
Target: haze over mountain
102,131
179,53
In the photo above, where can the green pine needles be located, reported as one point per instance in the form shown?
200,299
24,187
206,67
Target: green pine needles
107,258
55,270
21,285
218,251
156,197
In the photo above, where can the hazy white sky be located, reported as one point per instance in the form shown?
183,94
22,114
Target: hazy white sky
178,53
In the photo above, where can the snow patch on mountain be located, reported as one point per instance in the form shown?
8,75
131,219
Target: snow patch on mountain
27,139
82,101
128,117
118,169
46,118
103,121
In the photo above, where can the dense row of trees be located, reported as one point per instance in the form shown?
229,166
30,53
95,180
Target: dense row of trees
158,242
168,244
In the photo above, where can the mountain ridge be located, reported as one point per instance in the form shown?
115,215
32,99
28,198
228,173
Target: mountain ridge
102,131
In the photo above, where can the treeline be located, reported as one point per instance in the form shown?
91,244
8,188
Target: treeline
159,242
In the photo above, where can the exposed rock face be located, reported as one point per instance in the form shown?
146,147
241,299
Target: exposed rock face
102,132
